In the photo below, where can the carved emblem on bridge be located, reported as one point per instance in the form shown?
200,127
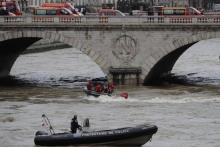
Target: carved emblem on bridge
125,49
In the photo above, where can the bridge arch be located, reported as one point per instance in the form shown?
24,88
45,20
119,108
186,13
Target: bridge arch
157,62
23,39
163,63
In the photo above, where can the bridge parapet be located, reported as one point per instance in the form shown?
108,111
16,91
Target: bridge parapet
111,20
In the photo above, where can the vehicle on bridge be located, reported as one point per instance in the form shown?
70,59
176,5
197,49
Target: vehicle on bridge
180,11
66,5
164,11
4,11
10,8
110,12
52,11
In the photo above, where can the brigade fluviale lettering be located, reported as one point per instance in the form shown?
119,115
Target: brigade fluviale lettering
106,133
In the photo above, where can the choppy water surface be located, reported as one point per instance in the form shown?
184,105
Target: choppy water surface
186,114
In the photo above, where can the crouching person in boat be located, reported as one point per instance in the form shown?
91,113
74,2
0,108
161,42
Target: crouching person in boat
75,125
90,86
110,88
98,88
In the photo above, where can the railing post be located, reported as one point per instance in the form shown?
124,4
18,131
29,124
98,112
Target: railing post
210,20
166,20
2,19
56,19
194,20
84,20
28,19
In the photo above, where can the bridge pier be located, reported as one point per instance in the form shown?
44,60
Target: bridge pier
125,76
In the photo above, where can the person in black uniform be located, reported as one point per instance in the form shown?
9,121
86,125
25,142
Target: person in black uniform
75,125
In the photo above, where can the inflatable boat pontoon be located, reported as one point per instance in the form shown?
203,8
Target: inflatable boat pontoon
129,136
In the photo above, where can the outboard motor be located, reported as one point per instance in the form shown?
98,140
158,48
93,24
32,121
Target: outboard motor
86,123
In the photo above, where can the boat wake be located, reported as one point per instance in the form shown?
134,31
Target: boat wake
108,99
182,100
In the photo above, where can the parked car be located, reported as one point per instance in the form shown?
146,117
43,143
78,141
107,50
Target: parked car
110,12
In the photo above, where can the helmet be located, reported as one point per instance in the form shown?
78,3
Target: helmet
74,117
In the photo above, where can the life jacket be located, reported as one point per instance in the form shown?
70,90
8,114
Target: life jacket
98,88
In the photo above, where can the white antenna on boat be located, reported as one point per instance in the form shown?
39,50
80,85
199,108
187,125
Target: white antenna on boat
46,123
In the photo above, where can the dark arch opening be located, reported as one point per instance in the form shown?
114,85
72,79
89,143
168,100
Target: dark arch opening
10,50
164,66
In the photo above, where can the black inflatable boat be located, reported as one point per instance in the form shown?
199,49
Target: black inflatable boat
129,136
93,93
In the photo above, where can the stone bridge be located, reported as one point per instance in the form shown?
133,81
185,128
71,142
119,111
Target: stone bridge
129,52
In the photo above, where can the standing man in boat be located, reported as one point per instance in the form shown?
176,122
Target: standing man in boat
75,125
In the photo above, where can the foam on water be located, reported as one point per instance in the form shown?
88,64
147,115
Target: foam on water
182,100
109,99
106,99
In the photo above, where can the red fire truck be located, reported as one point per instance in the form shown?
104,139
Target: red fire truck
62,5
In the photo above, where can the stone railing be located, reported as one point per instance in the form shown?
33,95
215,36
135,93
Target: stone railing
212,19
